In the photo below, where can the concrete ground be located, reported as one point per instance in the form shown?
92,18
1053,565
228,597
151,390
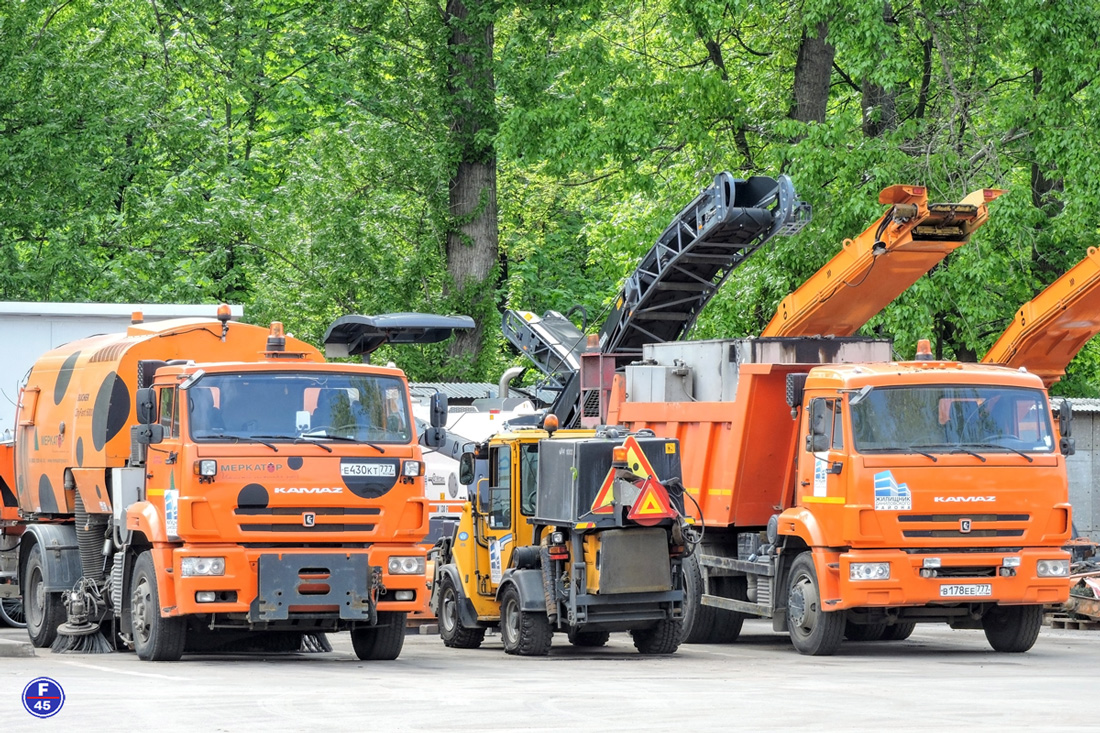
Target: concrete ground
938,679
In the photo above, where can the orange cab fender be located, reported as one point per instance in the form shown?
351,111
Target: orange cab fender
416,510
801,523
144,517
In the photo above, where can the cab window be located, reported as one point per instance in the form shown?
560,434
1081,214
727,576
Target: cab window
826,419
500,477
528,478
169,415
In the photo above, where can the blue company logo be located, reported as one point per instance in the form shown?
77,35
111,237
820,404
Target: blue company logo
889,494
43,697
463,536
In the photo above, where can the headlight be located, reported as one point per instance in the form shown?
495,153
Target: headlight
412,468
869,571
557,538
406,565
192,566
1052,568
206,467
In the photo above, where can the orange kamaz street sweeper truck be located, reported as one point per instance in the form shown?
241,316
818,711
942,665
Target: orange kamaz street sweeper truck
195,483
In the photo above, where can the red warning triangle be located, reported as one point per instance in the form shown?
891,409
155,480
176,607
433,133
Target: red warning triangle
636,460
604,497
652,504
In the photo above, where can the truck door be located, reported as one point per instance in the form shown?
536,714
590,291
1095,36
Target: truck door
167,480
821,470
500,521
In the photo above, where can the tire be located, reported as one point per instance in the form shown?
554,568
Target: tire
698,622
864,632
664,638
727,624
899,631
813,631
156,638
451,630
382,642
1012,629
12,613
589,638
526,633
44,610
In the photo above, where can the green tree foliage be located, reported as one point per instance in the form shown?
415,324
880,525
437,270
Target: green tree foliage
298,156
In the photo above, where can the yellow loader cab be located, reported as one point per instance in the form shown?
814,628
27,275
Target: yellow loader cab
575,531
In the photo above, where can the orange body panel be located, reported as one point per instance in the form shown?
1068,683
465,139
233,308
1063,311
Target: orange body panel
747,459
74,427
1052,327
859,281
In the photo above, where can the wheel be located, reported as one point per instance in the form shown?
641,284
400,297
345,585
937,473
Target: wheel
1012,628
44,610
899,631
663,638
698,623
11,612
156,638
727,624
451,630
864,632
526,633
589,638
813,631
381,642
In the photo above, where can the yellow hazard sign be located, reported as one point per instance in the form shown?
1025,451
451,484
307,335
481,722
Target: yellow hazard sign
652,504
636,460
605,496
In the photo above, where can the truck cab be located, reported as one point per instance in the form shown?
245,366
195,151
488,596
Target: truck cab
559,535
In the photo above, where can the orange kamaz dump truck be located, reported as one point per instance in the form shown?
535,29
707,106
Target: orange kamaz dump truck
845,495
194,481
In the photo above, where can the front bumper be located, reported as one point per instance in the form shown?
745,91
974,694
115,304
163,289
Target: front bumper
971,570
277,584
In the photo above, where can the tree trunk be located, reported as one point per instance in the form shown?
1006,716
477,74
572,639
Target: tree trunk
812,72
472,240
880,112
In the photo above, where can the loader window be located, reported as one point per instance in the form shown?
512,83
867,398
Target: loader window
500,484
528,478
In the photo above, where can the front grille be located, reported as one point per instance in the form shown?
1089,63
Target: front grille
264,511
958,517
303,528
941,533
966,572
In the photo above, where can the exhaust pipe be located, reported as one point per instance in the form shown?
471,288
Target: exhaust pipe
506,378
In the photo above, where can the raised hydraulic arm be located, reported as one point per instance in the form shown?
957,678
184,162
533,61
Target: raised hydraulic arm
1052,327
881,263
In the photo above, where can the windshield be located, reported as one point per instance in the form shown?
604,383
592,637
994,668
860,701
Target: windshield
942,418
309,405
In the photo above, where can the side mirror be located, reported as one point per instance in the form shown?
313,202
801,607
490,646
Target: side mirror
1065,419
466,469
147,434
435,437
438,410
147,406
817,442
1068,446
500,515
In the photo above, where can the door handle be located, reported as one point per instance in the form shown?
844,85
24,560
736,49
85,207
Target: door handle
805,482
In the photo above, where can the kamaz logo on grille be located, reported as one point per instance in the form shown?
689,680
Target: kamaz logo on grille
309,519
319,490
964,499
964,526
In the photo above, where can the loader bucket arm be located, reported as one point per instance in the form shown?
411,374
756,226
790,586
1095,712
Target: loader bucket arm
880,264
1049,330
360,335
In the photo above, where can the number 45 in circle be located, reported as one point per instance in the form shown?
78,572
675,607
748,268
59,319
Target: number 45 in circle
43,697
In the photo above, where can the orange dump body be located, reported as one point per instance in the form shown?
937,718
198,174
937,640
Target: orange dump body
232,479
747,459
1052,327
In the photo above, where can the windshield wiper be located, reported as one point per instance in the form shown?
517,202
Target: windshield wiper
960,449
297,439
245,438
909,449
346,439
1006,447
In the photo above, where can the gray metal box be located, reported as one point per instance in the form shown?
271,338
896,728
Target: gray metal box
634,560
715,365
660,383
